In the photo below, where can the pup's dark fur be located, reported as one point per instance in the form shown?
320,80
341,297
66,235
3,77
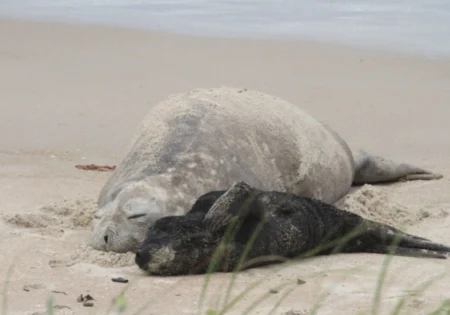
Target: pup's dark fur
284,226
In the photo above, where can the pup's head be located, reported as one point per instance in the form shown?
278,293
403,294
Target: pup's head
176,245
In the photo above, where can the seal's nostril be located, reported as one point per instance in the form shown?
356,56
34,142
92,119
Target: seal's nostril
138,254
106,239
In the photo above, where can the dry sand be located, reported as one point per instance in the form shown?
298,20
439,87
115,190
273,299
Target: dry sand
75,94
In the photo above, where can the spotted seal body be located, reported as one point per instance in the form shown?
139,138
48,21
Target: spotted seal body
283,226
208,139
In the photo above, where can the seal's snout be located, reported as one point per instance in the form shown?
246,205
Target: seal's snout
142,257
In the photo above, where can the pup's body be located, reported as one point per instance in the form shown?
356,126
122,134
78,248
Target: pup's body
288,225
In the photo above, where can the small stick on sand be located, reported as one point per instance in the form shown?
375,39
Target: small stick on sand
95,167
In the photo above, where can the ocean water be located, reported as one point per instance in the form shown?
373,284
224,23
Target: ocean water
416,26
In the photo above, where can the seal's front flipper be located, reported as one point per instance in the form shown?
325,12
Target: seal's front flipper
374,169
234,203
406,251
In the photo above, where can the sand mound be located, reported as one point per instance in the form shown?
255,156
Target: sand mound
374,203
86,254
53,219
58,216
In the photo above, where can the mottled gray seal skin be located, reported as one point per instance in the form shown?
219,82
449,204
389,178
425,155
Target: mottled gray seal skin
208,139
285,226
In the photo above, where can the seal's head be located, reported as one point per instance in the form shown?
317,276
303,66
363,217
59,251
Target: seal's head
176,245
120,225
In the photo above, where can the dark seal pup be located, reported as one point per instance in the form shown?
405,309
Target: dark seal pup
284,225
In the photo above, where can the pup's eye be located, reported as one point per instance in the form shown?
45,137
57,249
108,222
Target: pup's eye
135,216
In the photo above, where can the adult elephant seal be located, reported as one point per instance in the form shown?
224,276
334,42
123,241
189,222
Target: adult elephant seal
208,139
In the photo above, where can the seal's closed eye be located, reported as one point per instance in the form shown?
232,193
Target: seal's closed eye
135,216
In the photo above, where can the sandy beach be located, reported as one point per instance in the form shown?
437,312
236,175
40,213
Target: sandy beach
75,94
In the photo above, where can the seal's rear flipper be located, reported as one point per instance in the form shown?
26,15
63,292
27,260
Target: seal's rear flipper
412,242
406,251
374,169
404,244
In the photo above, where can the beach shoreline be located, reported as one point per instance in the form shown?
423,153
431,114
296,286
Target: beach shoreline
75,94
418,26
309,40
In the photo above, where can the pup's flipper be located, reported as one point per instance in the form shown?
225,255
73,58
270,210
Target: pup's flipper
203,203
387,236
232,204
406,251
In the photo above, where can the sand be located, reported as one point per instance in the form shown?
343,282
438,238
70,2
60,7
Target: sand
76,94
